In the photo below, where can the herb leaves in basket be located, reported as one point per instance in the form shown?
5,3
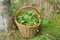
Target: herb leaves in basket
27,18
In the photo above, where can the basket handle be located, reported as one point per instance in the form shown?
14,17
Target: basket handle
28,7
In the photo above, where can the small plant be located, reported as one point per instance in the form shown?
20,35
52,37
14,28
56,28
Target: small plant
27,18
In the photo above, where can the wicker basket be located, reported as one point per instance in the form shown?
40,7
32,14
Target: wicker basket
27,31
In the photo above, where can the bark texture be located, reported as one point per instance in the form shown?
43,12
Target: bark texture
6,22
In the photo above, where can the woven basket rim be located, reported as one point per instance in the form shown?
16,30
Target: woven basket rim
38,14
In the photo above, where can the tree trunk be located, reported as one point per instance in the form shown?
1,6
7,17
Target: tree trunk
6,22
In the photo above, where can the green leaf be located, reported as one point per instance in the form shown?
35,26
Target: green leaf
27,18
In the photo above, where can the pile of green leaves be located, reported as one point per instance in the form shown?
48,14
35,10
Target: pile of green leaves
27,18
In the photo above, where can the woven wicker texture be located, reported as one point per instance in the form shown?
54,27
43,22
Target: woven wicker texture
27,31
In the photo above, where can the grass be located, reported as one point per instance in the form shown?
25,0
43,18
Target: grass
49,28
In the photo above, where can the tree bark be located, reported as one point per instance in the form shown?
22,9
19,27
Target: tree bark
6,20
